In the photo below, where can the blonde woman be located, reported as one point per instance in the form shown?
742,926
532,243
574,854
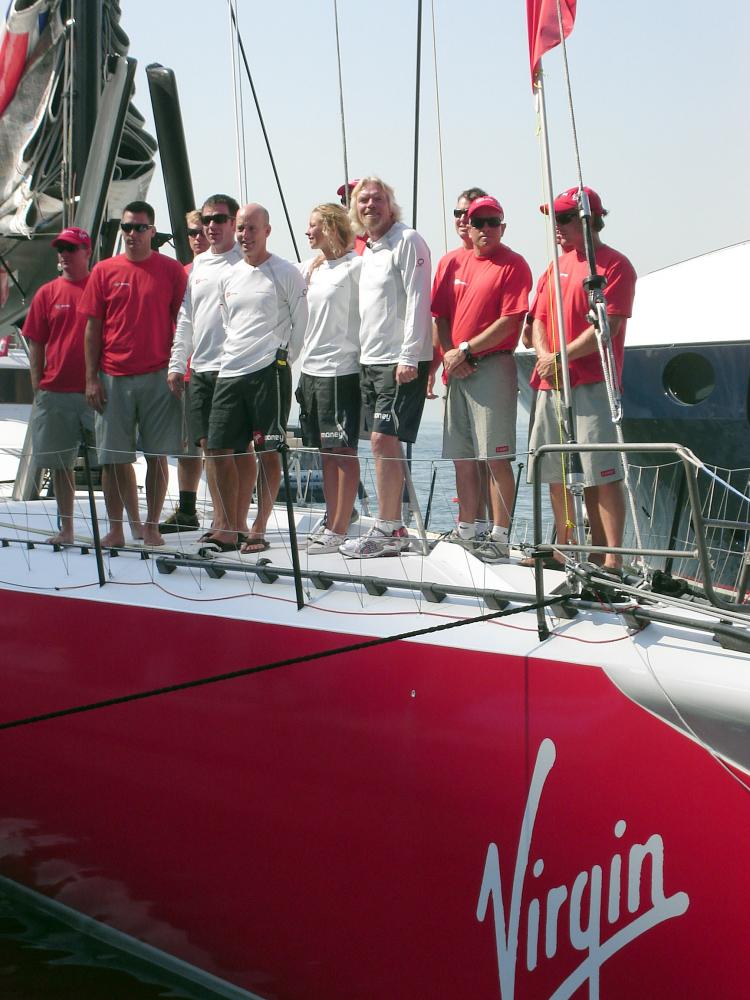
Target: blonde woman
328,391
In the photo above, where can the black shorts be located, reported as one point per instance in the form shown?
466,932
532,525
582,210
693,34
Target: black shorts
390,408
329,409
200,398
253,408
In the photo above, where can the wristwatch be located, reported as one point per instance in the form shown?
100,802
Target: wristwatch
464,346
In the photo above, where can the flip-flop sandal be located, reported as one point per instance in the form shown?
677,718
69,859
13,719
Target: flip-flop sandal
252,545
214,545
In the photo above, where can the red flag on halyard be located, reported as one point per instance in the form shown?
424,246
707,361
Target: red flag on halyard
544,26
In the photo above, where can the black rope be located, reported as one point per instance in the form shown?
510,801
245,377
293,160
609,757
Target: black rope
263,668
263,129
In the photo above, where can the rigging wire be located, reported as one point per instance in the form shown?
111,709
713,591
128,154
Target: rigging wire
347,192
239,115
261,120
416,116
605,350
439,129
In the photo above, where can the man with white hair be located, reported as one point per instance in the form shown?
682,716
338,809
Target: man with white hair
395,353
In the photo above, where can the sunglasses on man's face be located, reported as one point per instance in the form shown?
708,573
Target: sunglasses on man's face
66,247
218,217
135,227
492,221
563,218
459,213
195,232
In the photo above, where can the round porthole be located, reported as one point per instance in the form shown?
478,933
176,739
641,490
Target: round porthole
689,378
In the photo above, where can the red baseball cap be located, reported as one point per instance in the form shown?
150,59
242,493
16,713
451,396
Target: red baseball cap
568,202
79,237
486,201
352,185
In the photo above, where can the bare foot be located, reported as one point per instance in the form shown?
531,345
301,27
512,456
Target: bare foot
62,538
114,538
151,535
136,530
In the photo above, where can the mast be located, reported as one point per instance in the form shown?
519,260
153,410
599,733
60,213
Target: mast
87,84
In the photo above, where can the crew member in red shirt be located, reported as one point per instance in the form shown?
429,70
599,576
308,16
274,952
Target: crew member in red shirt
605,501
131,303
54,330
478,305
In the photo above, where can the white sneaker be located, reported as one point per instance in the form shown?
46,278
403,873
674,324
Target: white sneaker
376,543
491,551
470,544
319,529
326,541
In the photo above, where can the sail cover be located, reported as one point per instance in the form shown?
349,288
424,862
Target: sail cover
32,61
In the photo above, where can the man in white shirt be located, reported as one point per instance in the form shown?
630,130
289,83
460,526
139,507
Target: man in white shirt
199,340
396,352
265,311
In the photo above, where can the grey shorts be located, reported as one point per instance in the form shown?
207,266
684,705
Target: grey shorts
59,422
139,408
480,411
593,426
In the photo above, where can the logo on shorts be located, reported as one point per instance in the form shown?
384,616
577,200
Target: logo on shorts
607,472
382,416
329,434
258,439
502,449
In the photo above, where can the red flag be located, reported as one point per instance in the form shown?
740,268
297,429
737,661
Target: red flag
544,26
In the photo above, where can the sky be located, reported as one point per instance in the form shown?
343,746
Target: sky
656,87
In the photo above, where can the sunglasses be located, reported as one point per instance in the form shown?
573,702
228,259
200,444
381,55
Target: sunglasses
492,221
195,232
218,217
563,218
66,247
137,227
459,213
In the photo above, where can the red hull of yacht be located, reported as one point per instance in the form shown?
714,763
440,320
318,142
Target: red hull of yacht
324,830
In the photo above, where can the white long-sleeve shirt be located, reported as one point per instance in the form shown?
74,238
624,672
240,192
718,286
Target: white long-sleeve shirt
394,299
331,344
200,323
265,308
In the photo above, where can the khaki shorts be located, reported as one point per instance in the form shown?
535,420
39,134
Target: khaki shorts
480,411
140,410
59,422
593,426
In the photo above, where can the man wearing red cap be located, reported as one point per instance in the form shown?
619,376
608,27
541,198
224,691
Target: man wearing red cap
54,330
479,304
131,304
602,471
